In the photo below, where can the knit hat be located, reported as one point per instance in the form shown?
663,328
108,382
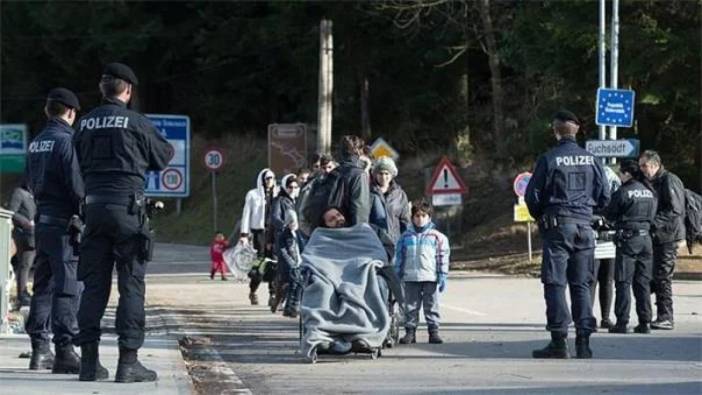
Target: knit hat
385,163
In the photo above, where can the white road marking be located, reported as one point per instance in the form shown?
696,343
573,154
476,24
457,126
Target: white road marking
462,310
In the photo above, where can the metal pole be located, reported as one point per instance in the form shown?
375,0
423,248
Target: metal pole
326,73
179,206
614,66
529,238
214,200
602,48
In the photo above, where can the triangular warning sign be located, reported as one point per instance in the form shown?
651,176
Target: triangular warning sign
446,179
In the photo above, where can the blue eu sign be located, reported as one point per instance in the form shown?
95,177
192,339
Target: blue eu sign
615,107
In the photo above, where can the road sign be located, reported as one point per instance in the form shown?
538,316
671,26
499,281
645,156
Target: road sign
614,148
174,180
520,183
446,179
381,148
13,147
521,212
287,147
615,107
447,199
214,159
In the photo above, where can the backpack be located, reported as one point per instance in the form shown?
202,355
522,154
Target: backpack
324,192
693,219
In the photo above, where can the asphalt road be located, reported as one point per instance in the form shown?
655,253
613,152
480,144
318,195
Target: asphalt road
490,325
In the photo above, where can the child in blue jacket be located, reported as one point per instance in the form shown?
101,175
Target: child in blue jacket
422,263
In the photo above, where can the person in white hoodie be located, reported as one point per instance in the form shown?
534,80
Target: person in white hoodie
256,227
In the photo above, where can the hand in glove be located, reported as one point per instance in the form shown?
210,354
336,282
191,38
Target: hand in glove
442,281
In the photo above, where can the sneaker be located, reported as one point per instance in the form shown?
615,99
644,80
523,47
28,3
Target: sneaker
642,328
225,279
666,325
253,298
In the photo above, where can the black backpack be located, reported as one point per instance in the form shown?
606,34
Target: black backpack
693,219
325,192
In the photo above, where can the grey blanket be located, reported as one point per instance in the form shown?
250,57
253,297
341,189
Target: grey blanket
345,300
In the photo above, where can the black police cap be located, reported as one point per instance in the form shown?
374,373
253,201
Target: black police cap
121,71
566,116
65,97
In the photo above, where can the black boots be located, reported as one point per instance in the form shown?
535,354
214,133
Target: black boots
253,298
90,367
642,328
434,337
582,347
409,337
42,358
620,327
130,370
66,361
556,349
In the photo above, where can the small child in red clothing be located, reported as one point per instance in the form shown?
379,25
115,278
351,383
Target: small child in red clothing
219,244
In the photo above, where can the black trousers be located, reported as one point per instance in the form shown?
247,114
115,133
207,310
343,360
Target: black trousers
604,276
664,257
568,261
111,239
56,290
260,242
22,264
633,266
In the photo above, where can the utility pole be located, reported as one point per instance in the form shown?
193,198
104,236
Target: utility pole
602,49
326,86
614,61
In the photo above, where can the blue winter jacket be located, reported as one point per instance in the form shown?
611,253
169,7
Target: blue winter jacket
422,255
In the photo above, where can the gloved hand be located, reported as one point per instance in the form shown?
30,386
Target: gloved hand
443,277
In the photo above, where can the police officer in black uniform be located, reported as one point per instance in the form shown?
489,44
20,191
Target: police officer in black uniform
668,230
115,147
631,211
54,177
567,184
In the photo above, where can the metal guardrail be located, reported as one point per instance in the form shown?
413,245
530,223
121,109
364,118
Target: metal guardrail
5,278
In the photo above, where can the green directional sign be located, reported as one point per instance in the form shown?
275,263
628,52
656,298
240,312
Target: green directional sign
13,147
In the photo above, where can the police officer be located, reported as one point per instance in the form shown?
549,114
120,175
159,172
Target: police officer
115,147
668,230
54,177
567,184
632,210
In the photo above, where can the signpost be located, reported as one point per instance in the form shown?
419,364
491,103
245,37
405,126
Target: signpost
380,148
628,148
214,160
13,147
174,180
521,211
446,189
287,147
615,107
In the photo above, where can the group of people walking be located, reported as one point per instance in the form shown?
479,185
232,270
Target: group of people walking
278,220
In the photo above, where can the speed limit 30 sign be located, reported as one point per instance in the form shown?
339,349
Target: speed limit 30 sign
214,159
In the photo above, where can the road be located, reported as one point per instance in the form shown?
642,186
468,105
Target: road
490,325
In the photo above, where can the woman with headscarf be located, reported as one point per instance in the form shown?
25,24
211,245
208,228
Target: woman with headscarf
283,204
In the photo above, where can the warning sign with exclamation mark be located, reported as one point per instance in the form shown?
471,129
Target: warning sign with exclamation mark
446,179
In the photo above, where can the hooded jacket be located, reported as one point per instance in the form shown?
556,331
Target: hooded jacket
421,255
281,204
254,215
357,183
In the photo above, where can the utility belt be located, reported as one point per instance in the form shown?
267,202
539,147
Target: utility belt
624,234
549,221
51,220
136,205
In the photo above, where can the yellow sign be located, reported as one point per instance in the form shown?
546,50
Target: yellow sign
381,148
521,213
